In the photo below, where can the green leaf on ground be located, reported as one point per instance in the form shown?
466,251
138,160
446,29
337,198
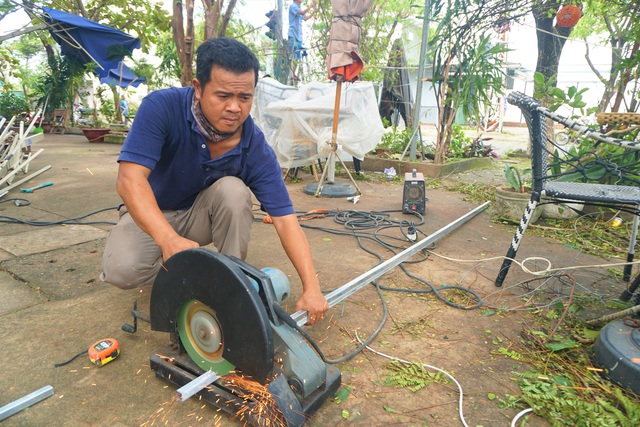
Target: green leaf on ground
342,394
560,345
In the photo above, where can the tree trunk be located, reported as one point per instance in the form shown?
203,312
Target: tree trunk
226,18
214,26
609,85
211,17
183,39
551,39
443,136
443,141
116,104
624,81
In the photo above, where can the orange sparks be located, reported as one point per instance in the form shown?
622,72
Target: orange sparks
259,406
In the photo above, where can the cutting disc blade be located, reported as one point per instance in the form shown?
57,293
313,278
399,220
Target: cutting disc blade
202,338
230,322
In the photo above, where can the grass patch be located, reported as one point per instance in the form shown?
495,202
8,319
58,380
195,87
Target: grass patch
475,192
562,389
591,234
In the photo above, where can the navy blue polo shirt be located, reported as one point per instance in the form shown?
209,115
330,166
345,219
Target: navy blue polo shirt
164,138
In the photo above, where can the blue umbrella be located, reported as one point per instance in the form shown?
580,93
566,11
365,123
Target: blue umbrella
87,41
122,76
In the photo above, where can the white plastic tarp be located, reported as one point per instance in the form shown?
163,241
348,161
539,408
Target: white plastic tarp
297,122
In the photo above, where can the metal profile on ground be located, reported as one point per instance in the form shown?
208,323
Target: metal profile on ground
340,294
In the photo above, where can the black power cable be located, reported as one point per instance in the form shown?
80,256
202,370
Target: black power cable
359,225
75,220
289,321
360,222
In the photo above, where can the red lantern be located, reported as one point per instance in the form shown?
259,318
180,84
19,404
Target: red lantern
568,16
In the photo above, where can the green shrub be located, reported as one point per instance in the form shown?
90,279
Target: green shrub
12,104
459,142
396,140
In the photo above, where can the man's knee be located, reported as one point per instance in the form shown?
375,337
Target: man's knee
130,258
232,194
126,274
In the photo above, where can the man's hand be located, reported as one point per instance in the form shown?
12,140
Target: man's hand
175,244
315,304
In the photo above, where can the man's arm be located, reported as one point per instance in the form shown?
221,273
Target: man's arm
309,11
296,246
136,193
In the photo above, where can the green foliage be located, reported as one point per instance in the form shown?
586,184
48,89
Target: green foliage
516,178
590,234
555,97
395,140
510,353
553,398
467,64
459,142
413,376
107,107
617,24
169,68
342,394
596,163
57,84
476,193
12,104
483,63
147,20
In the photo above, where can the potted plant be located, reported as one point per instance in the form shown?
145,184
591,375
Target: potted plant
95,134
512,200
99,129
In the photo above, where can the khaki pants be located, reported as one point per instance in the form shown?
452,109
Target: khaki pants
221,214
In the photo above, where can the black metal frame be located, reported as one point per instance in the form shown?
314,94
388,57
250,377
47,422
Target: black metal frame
623,193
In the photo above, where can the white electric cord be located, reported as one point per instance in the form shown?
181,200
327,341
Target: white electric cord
464,423
520,414
460,412
542,272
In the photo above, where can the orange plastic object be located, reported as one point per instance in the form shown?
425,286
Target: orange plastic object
568,16
104,351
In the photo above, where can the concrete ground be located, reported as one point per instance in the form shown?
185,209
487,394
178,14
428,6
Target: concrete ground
54,306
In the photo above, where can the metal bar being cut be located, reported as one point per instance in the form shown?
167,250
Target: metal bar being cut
337,296
189,389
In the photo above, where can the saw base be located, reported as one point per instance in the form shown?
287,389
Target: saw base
179,369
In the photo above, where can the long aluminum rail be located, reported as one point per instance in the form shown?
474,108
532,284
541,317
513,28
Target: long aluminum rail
338,295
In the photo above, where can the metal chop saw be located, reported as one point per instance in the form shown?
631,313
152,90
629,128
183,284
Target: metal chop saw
224,315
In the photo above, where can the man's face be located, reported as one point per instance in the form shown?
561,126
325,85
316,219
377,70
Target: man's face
226,98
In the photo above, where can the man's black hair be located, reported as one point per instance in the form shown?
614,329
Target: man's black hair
226,53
